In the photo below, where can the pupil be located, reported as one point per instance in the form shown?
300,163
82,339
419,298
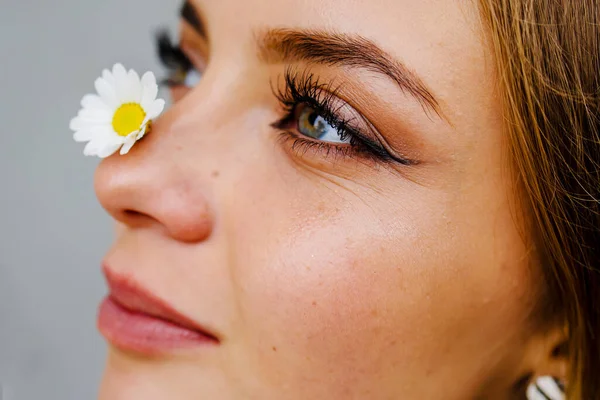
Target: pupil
312,118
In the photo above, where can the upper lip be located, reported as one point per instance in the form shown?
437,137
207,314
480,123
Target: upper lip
131,295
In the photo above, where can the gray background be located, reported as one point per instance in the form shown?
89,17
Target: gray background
52,231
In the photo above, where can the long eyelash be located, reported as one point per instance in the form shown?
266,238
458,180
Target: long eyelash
172,58
305,88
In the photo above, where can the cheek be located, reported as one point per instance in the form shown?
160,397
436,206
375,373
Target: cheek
333,303
328,307
353,291
341,299
328,294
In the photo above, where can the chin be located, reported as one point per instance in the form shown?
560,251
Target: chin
131,376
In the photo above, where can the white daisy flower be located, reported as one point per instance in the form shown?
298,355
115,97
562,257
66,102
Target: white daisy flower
120,114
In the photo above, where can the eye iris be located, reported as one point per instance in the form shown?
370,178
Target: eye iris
312,124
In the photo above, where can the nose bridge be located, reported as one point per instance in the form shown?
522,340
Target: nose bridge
194,128
167,178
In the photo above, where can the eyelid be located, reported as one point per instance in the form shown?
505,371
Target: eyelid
371,133
303,87
384,143
194,54
374,134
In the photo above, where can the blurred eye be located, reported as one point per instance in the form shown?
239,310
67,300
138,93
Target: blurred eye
181,72
314,125
192,78
186,79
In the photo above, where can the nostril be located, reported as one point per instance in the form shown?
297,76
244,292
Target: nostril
132,217
132,214
135,218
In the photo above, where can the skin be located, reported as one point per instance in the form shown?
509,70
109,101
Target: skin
328,277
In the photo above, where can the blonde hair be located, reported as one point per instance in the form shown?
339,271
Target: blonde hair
548,61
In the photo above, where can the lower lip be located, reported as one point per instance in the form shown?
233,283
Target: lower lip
142,333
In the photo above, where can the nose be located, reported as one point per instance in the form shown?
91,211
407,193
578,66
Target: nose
149,188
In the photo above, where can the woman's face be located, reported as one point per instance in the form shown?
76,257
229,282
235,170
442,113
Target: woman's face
356,242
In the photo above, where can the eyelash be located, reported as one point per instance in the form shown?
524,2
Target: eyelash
304,88
301,88
172,57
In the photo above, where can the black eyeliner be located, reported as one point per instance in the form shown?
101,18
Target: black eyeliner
305,88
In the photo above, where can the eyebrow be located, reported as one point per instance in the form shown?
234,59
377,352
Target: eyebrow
192,16
355,51
288,45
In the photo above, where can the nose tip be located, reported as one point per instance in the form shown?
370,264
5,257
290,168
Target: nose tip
145,191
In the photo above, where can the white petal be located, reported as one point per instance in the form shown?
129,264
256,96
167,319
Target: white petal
77,124
91,149
121,83
92,133
107,92
108,76
109,150
136,135
149,89
100,142
155,109
107,144
88,119
129,142
83,136
135,86
117,69
93,101
128,89
148,79
95,115
142,131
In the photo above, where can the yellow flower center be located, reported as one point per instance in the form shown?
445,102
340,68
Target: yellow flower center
128,118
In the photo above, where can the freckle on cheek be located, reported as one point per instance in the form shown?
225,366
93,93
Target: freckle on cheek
215,174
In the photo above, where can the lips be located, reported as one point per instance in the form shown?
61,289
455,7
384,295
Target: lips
131,317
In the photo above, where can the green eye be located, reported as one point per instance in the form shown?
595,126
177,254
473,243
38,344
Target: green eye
312,124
